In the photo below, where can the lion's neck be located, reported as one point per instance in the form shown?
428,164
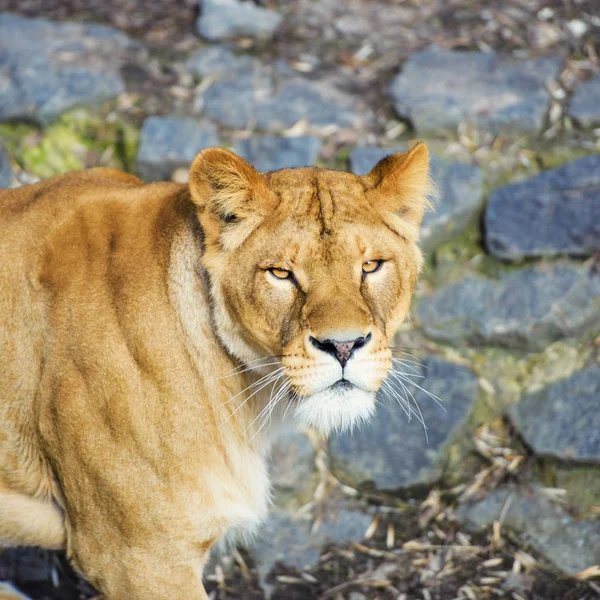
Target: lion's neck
222,378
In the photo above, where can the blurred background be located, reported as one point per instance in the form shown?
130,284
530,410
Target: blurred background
480,478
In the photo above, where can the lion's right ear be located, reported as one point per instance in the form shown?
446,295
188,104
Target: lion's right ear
228,186
232,196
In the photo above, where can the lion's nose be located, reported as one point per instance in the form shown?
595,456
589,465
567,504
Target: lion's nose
340,349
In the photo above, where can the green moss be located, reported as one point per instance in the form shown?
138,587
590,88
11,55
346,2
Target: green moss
11,135
342,160
60,150
560,154
465,253
582,484
463,461
79,139
513,372
130,138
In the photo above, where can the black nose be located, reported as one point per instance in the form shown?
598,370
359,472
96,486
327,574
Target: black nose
342,350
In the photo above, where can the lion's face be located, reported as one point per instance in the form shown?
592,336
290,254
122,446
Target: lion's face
314,269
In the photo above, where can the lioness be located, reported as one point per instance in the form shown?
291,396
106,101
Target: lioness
152,333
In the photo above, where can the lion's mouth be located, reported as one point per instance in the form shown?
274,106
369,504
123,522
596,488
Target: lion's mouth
342,385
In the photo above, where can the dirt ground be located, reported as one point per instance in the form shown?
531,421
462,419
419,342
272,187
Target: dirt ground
439,562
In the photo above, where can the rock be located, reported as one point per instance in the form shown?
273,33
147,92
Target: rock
394,453
169,143
437,89
288,539
570,545
6,173
217,60
298,99
270,152
357,596
526,309
461,193
556,212
245,103
248,94
25,566
292,463
585,103
227,19
41,574
47,68
570,427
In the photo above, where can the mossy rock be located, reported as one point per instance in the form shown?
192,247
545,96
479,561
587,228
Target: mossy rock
78,140
582,484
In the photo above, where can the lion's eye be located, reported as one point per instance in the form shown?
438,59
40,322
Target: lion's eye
281,273
371,266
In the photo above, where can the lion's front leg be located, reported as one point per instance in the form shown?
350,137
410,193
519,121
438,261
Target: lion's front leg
8,592
129,573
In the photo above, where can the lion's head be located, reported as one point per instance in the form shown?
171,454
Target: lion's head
314,269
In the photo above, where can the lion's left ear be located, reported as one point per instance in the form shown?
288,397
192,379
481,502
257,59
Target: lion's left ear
401,183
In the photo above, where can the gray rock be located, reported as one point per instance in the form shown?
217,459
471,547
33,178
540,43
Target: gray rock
47,68
525,309
250,95
439,88
287,539
585,103
571,545
270,152
292,463
6,174
461,193
556,212
252,102
227,19
393,452
298,99
168,143
570,427
219,60
26,566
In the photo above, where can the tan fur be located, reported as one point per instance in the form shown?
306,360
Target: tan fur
8,592
125,434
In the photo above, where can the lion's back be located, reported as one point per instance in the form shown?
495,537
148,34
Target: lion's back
29,216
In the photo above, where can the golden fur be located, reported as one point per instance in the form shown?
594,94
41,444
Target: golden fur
134,319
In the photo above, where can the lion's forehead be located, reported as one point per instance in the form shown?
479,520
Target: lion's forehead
315,192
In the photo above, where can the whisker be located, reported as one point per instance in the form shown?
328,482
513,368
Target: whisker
406,364
403,349
252,364
406,400
435,398
270,407
289,404
420,416
286,382
404,405
273,377
250,368
257,382
417,361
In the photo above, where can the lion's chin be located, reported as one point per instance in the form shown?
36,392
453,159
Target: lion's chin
337,408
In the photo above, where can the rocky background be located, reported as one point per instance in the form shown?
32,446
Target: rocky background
480,477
